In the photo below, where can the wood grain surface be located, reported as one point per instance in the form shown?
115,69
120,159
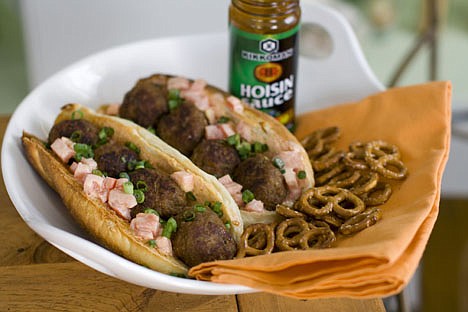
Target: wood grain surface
35,276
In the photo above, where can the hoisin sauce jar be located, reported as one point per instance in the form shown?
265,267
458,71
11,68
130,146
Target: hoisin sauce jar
264,55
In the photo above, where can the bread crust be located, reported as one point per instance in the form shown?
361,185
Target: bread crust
103,223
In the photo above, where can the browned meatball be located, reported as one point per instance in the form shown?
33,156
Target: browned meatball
263,179
79,130
113,158
162,193
146,102
183,128
203,239
215,157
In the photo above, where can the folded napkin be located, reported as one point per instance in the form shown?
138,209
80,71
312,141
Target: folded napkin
378,261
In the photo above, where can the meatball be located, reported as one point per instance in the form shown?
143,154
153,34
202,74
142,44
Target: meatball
183,128
79,130
162,193
203,239
263,179
146,102
113,158
215,157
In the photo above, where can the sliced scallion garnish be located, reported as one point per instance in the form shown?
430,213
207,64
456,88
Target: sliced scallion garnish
128,187
78,114
247,196
190,196
301,175
139,196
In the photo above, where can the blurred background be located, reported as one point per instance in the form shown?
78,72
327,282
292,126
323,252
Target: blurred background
38,38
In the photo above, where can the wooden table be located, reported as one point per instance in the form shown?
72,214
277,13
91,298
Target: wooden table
35,276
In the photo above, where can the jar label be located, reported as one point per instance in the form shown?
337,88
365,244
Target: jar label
263,71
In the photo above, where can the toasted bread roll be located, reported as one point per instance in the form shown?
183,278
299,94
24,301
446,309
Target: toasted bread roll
113,227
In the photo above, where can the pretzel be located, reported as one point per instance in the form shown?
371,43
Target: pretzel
316,142
367,181
378,195
317,238
288,212
257,239
289,233
361,221
344,203
323,177
327,160
332,220
312,205
345,179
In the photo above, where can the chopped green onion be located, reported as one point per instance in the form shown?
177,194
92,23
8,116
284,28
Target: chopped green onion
233,140
173,94
133,147
199,208
139,196
152,243
243,149
247,196
128,187
283,171
173,104
97,172
190,196
77,115
301,174
149,210
227,225
223,119
216,207
83,150
278,162
124,175
258,147
105,133
189,215
140,164
151,129
76,136
142,186
170,227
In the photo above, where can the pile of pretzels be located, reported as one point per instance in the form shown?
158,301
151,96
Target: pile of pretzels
350,185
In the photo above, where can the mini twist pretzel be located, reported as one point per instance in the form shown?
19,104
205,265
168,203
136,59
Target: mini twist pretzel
289,233
316,142
323,177
311,205
389,167
332,220
288,212
313,146
356,160
318,224
345,179
361,221
317,238
327,160
257,239
345,204
378,195
367,181
382,148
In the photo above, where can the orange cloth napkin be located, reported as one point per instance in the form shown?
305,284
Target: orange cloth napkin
380,260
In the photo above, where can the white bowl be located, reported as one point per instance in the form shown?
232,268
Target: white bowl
106,76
